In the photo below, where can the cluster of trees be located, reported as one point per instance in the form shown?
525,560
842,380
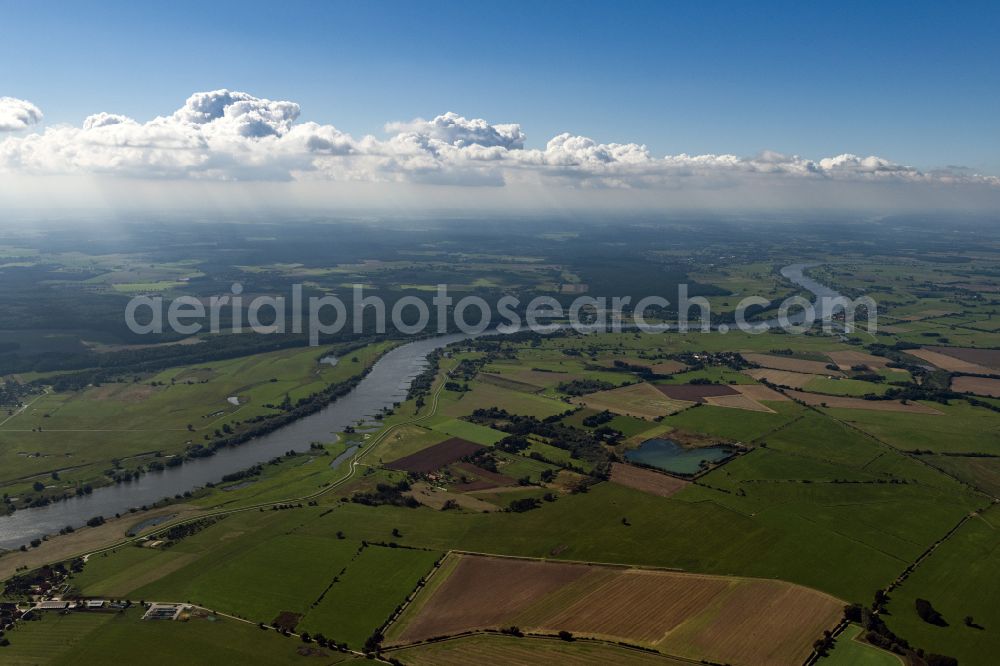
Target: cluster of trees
484,459
387,493
699,360
248,473
878,634
582,444
183,531
578,387
421,385
595,420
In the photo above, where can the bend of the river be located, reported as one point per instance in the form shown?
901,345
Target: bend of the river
386,384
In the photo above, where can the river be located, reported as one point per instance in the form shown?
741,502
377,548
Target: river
386,384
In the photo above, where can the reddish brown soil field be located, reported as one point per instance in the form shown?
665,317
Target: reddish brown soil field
985,357
436,456
694,392
646,480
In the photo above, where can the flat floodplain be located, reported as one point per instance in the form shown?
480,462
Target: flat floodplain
723,619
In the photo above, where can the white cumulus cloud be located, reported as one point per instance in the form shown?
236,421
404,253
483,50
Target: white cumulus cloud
17,114
228,135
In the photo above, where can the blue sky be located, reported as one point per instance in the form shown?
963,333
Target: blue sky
915,82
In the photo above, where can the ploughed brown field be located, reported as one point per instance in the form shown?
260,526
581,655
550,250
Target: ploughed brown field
989,358
977,386
646,480
722,619
791,364
436,456
842,402
694,392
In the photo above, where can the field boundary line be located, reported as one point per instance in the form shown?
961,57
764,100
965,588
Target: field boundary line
548,637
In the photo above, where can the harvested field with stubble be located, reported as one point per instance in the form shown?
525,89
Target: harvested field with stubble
435,457
948,362
641,400
738,401
722,619
760,392
977,386
668,367
789,363
989,358
436,498
781,377
841,402
646,480
845,360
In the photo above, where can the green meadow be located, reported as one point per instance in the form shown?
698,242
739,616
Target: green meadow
959,580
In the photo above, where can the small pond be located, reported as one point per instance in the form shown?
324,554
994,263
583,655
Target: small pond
149,522
670,456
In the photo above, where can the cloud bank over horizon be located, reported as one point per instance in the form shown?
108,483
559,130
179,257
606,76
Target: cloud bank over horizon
229,136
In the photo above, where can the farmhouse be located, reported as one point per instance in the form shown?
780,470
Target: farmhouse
164,611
